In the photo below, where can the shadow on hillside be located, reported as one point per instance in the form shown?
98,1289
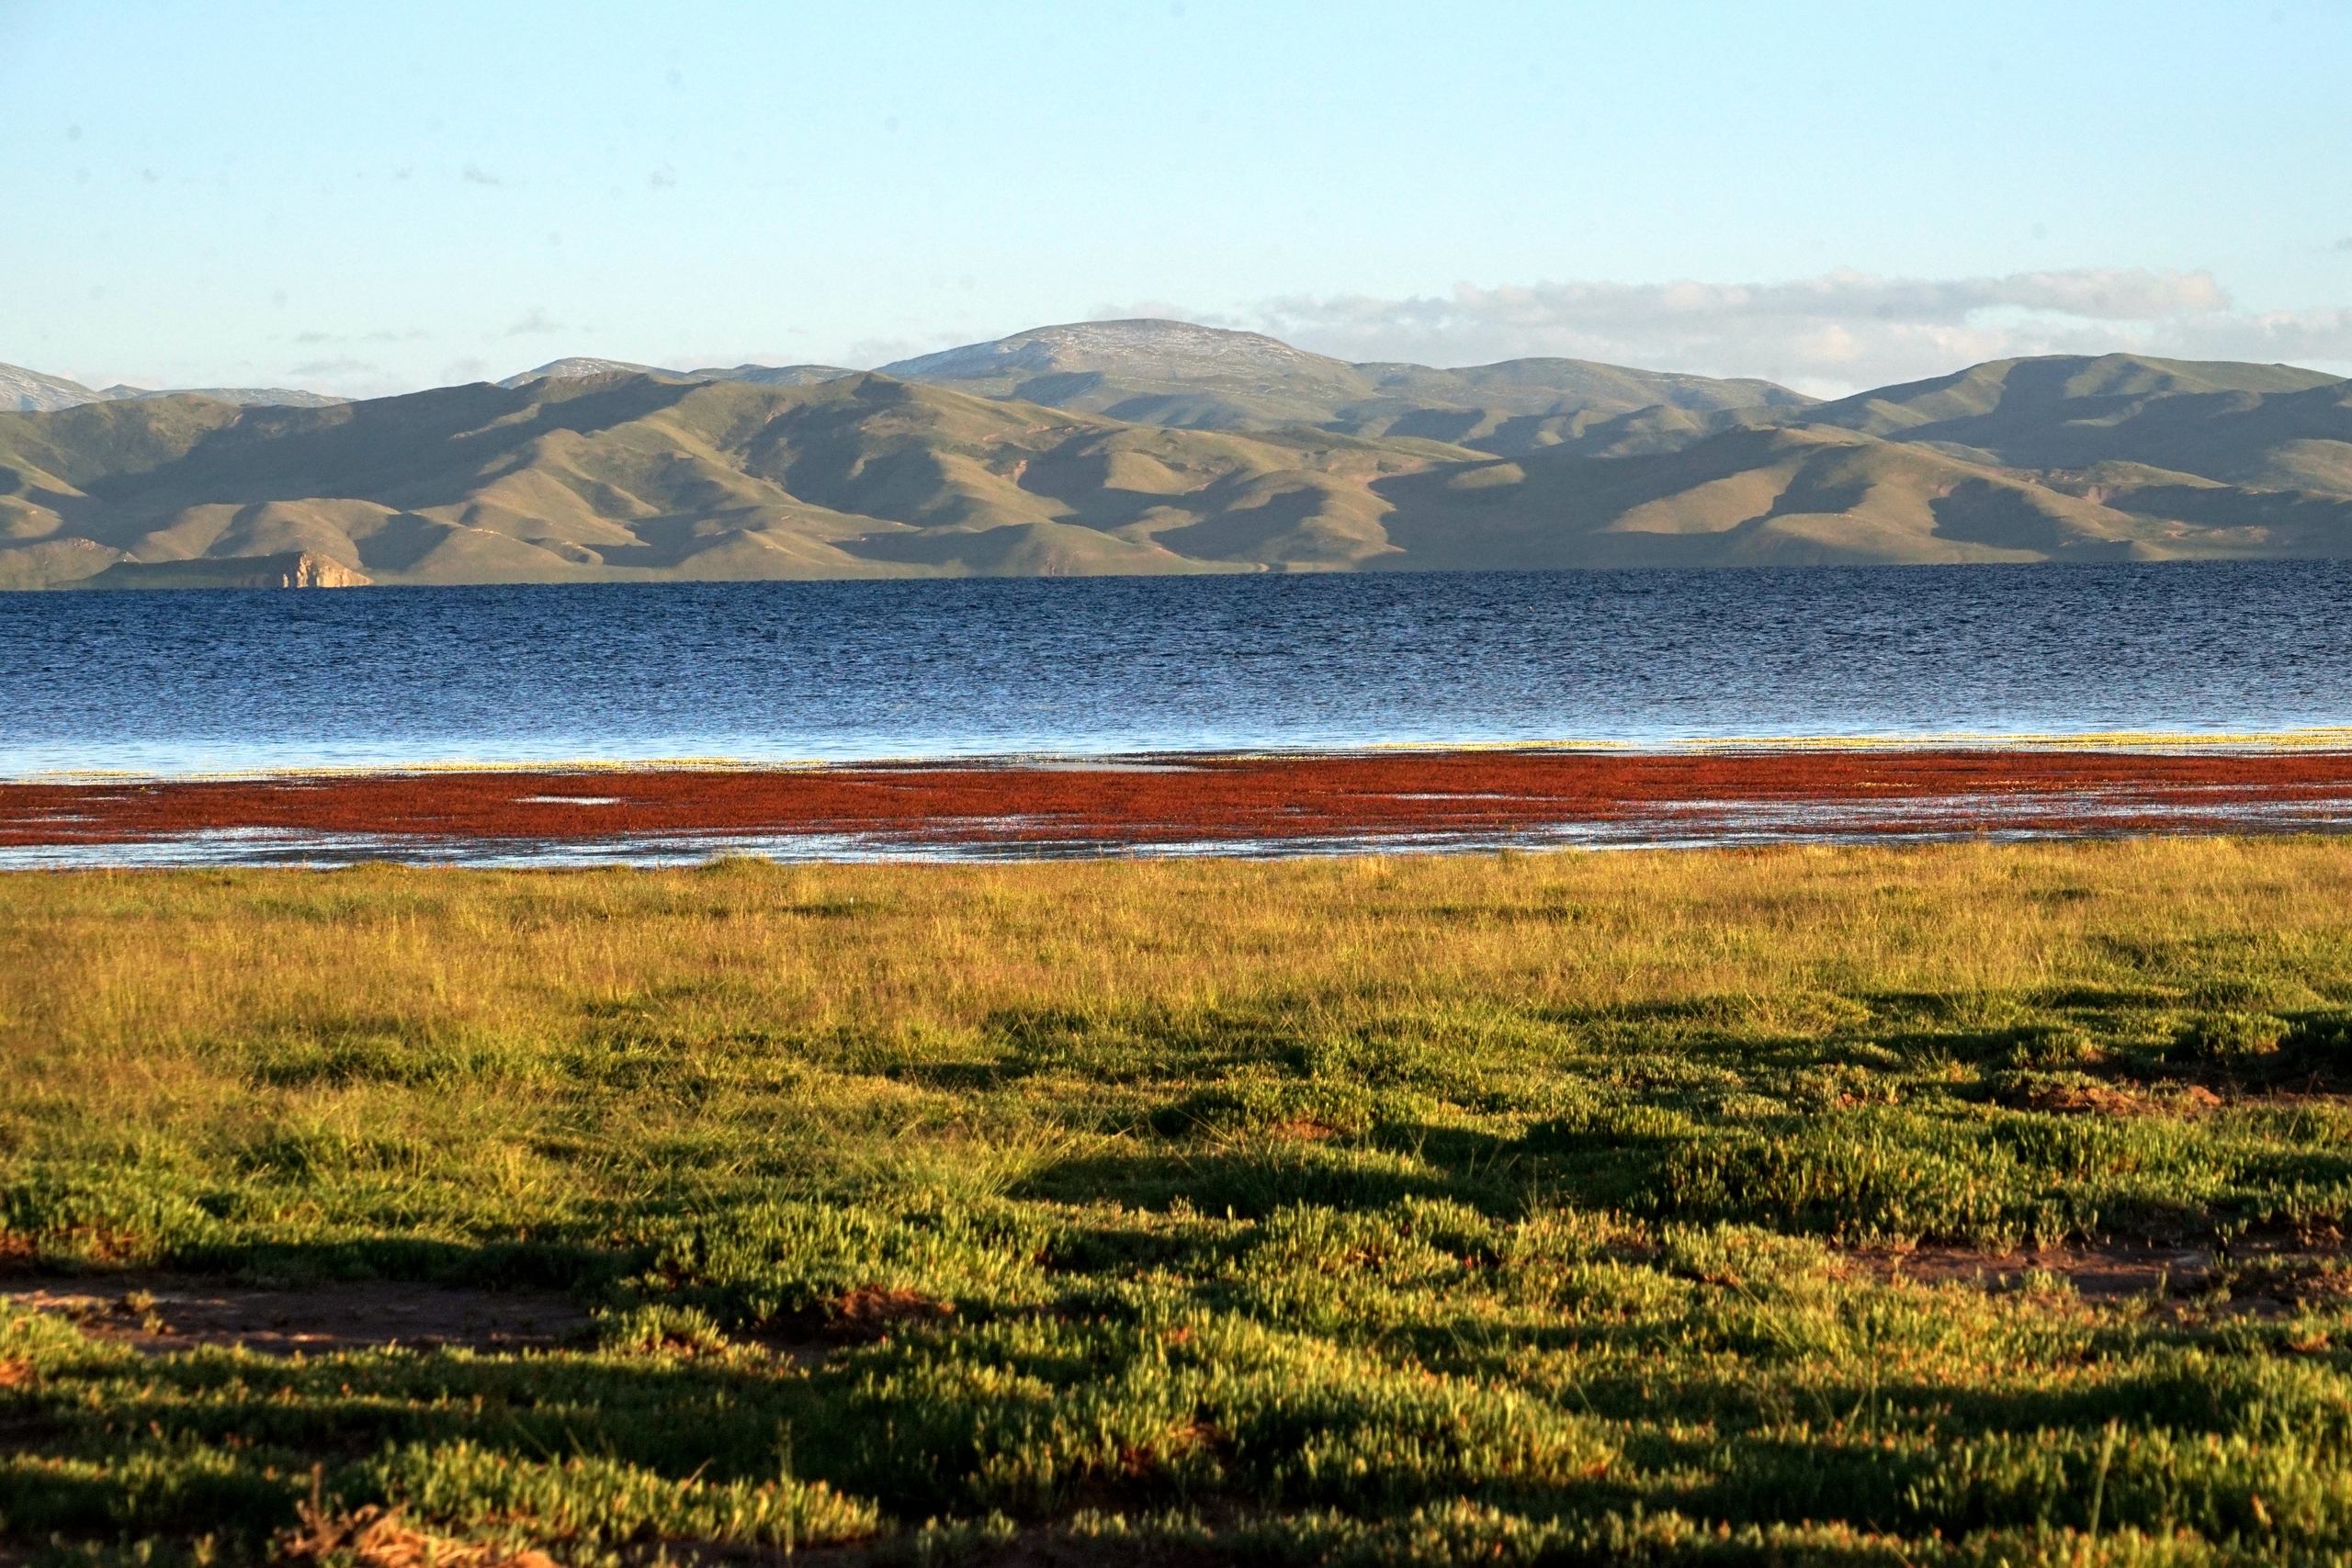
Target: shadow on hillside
406,452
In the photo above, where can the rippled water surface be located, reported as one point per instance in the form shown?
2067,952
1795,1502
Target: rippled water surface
220,681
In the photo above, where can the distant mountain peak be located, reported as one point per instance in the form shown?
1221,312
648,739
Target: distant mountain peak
250,397
29,391
582,366
1176,350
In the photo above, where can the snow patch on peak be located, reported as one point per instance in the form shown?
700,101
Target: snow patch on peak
29,391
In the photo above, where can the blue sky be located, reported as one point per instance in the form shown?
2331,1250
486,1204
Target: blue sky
369,199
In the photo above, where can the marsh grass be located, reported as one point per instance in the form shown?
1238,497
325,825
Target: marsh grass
1357,1210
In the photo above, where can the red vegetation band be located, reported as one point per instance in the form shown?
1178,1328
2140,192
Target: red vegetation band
1412,794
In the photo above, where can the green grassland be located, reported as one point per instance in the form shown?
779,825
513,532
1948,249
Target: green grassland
1530,1208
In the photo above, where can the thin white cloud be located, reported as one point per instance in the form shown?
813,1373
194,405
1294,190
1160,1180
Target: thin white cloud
1841,331
535,323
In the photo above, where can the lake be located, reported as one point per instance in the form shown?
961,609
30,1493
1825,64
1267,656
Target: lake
190,682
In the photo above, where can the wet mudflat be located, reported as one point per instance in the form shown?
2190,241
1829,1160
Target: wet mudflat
1283,805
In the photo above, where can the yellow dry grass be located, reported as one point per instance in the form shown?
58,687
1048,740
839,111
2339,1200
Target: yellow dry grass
109,980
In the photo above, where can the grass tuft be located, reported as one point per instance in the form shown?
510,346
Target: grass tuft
1980,1205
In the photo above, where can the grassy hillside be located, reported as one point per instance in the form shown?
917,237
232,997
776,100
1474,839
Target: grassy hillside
622,477
2265,426
1805,496
617,476
1638,1207
2208,457
1175,373
1184,375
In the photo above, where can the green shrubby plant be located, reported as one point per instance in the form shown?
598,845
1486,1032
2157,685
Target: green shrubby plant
1562,1209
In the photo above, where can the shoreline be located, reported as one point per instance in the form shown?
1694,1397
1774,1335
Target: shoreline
1392,799
2320,740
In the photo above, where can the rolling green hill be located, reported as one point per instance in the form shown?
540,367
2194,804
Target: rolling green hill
616,474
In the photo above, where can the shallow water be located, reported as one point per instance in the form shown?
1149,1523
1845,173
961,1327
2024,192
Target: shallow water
184,682
1703,824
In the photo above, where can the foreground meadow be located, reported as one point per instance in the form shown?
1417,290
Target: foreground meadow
1668,1206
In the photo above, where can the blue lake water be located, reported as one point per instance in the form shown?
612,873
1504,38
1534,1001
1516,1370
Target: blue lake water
175,683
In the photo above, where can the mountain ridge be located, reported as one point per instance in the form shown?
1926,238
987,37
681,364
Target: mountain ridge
617,474
765,375
1154,371
32,391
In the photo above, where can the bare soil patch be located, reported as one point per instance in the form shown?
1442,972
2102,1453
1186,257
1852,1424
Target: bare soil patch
159,1314
2096,1273
870,1312
2119,1099
2258,1276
